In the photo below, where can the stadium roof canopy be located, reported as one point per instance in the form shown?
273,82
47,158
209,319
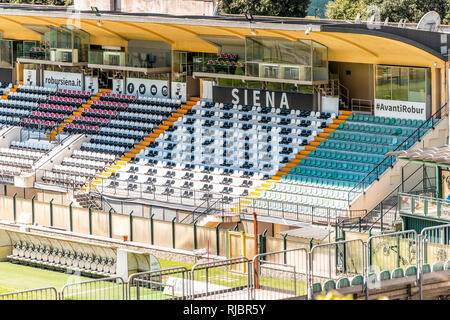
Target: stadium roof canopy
346,42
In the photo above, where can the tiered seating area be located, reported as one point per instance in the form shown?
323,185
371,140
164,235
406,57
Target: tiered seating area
115,135
339,161
62,260
222,149
211,148
21,155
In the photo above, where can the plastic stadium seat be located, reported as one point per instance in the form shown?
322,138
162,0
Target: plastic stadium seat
438,266
329,285
447,265
397,273
316,288
426,268
343,283
357,280
372,277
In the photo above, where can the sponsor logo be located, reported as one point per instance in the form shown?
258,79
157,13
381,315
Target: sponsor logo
165,91
153,90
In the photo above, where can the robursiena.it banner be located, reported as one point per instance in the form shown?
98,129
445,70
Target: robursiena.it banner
63,80
401,109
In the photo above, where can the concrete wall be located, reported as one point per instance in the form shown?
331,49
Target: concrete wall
174,7
358,78
141,230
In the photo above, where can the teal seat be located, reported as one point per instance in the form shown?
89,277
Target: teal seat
372,277
350,117
391,121
316,288
329,285
426,268
343,283
409,123
376,119
447,265
357,280
397,273
438,266
384,275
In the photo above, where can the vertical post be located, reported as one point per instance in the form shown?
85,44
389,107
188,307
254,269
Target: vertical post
217,239
151,228
195,235
359,224
284,248
32,210
173,232
70,217
90,219
381,215
255,236
14,206
398,251
131,226
51,213
110,222
438,182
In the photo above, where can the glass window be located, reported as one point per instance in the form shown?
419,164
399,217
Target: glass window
399,83
6,53
417,84
383,83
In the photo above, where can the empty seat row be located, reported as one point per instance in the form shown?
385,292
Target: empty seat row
62,259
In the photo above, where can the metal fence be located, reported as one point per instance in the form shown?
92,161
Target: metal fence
222,280
331,262
167,284
280,275
113,288
276,275
48,293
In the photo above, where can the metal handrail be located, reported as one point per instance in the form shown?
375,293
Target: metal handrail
361,185
367,215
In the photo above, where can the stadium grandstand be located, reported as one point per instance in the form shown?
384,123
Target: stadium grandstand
280,156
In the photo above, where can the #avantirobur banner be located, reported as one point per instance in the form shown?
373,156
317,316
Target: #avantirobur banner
401,109
63,80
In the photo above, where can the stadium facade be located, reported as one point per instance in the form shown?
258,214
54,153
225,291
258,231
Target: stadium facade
300,83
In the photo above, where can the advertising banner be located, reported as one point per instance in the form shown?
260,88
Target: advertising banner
179,91
401,109
147,88
63,80
118,86
29,77
263,98
91,84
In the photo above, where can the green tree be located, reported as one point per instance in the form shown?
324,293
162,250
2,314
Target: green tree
344,9
283,8
395,10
